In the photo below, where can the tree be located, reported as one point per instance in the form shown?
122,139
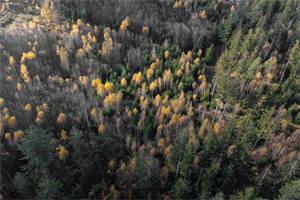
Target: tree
218,196
209,54
48,188
147,169
248,194
38,149
290,191
89,161
178,149
224,31
187,161
228,86
294,60
180,189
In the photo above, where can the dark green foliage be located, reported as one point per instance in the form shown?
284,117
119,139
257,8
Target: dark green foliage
297,119
108,111
248,194
48,188
23,185
149,125
180,189
205,96
209,178
178,149
290,190
225,127
224,31
294,59
187,160
209,54
91,156
218,196
187,82
200,43
147,172
38,149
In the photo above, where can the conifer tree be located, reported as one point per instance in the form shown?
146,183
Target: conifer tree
48,188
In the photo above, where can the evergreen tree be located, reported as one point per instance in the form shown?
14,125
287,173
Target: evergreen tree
180,189
248,194
147,174
178,149
48,188
290,190
38,149
209,54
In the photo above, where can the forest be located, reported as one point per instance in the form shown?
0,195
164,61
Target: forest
150,99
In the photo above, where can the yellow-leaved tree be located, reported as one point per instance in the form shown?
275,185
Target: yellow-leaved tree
107,44
125,23
48,11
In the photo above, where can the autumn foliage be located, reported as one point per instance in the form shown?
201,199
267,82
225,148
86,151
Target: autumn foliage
152,99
